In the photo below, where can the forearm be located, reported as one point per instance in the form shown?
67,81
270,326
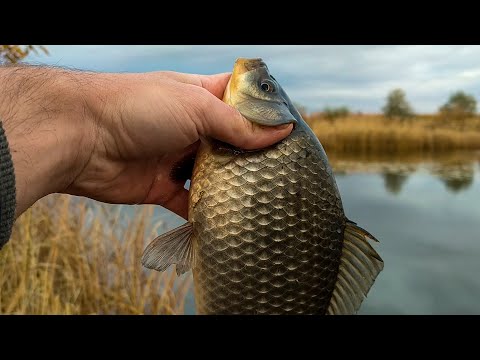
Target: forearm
43,111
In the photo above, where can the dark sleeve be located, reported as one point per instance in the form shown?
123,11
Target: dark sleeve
7,190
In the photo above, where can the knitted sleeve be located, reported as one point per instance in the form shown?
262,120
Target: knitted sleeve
7,190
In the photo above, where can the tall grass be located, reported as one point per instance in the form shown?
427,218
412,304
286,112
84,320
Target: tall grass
72,256
375,134
68,255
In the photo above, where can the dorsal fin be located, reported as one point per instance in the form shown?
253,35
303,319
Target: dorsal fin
360,265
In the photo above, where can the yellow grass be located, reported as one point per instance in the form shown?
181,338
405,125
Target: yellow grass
68,255
72,256
375,134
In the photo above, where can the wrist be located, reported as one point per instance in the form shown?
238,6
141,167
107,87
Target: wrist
45,118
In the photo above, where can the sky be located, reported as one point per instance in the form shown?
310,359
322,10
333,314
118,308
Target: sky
315,76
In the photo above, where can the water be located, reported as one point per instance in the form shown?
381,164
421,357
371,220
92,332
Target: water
425,213
427,218
423,210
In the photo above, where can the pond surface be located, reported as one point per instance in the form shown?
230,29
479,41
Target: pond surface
425,212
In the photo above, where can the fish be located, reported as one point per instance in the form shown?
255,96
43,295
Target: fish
266,230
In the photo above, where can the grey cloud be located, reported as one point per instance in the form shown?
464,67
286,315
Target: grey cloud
315,76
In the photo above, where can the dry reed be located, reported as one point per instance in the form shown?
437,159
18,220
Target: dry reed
73,256
376,135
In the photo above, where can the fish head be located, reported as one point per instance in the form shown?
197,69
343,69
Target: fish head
257,95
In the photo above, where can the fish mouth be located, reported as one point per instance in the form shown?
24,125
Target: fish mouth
272,110
243,65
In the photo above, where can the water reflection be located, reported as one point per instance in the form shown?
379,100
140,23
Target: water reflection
394,181
424,211
455,170
456,176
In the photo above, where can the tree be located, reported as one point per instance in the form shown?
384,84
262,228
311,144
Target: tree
334,113
397,105
16,53
459,106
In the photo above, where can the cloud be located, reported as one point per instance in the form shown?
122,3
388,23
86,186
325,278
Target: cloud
315,76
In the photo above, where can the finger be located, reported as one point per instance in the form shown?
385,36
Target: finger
225,123
178,203
173,197
215,84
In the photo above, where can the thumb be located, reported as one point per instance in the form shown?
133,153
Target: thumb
225,123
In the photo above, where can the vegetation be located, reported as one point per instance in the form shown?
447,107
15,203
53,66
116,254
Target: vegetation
16,53
73,256
377,134
332,113
397,105
69,255
460,106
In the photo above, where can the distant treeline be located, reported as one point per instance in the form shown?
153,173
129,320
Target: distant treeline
376,134
459,106
398,129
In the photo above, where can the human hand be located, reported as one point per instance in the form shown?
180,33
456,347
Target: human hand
116,137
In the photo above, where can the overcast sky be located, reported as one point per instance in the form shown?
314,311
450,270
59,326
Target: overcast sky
314,76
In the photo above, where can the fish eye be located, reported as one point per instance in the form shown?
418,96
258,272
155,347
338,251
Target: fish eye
267,86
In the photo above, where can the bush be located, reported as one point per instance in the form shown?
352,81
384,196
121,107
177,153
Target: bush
459,106
397,105
334,113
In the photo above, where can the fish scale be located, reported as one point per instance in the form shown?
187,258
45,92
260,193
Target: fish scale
266,231
256,246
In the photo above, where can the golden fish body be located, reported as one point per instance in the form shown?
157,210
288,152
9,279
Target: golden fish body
268,228
267,231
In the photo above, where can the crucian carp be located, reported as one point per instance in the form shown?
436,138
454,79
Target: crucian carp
266,230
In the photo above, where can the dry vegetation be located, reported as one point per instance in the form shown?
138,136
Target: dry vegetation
72,256
376,134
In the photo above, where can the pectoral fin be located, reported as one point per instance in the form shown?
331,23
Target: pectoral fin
173,247
360,265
